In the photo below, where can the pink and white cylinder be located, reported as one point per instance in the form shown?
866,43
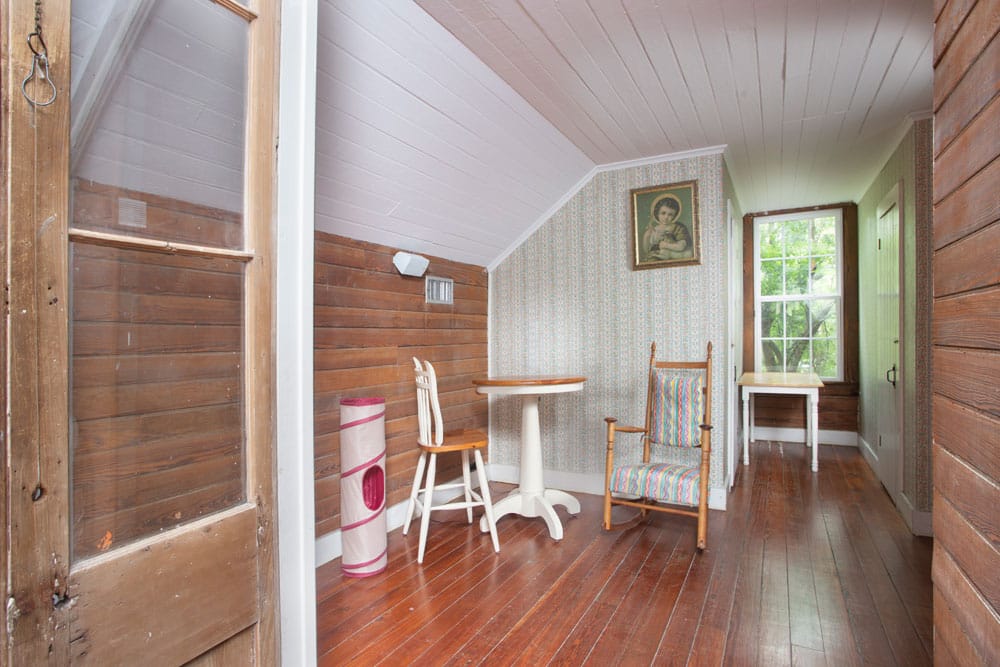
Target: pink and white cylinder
362,486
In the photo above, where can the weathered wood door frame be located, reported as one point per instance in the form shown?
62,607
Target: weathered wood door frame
45,594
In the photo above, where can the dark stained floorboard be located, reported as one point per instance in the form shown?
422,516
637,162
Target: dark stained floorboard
803,568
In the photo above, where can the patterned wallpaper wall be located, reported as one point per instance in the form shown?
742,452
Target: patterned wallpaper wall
568,301
911,163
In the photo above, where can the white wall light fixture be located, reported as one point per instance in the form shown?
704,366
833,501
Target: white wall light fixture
409,264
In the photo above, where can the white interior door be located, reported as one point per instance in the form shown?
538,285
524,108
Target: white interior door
888,396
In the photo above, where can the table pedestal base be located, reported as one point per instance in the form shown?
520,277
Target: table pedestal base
533,504
531,498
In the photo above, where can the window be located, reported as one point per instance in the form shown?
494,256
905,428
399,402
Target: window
798,293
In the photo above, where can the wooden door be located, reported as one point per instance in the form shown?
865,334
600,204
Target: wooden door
890,388
140,476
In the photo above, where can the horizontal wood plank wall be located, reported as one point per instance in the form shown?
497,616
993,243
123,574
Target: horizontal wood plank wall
96,208
838,401
966,333
156,393
838,409
369,324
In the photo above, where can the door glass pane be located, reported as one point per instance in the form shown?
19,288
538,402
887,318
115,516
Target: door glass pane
156,392
156,399
158,118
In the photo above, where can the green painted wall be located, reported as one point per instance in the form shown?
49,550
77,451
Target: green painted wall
909,166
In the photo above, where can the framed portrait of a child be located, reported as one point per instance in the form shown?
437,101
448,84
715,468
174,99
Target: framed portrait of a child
665,226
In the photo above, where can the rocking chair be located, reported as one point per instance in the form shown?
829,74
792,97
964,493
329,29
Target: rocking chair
678,416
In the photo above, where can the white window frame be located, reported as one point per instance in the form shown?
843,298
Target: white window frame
838,297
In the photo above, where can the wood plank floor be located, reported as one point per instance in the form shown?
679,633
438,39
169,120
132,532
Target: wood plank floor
803,568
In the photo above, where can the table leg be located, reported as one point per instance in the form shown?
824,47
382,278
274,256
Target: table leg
531,448
814,428
557,497
746,427
807,400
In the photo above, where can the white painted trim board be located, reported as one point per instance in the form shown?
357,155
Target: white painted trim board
843,438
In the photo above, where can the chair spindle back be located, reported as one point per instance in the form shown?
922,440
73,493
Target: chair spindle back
428,407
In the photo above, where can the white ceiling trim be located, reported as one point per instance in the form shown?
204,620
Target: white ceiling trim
656,159
611,166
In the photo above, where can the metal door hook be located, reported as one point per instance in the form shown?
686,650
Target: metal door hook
42,72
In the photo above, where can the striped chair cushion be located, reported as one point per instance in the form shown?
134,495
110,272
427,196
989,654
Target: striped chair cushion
678,407
666,482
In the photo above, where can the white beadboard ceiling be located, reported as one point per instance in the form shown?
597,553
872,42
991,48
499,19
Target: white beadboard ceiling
420,145
455,127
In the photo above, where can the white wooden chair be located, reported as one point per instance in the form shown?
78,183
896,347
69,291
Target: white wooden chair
678,417
433,440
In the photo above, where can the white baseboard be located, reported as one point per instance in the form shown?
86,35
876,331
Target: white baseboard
920,523
330,546
868,452
717,498
844,438
592,483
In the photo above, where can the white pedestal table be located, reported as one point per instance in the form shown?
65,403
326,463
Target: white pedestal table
531,498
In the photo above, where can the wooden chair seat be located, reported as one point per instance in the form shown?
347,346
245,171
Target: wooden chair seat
456,441
663,482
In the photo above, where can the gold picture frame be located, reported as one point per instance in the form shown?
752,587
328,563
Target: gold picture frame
666,230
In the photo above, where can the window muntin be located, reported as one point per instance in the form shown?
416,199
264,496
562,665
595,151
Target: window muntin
798,293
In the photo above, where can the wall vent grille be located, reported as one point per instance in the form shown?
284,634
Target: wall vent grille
131,213
439,290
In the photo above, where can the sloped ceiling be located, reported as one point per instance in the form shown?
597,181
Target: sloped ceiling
456,127
421,143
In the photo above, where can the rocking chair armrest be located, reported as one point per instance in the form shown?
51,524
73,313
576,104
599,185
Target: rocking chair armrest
613,428
623,428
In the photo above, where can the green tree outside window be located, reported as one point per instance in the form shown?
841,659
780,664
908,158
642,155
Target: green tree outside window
799,294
